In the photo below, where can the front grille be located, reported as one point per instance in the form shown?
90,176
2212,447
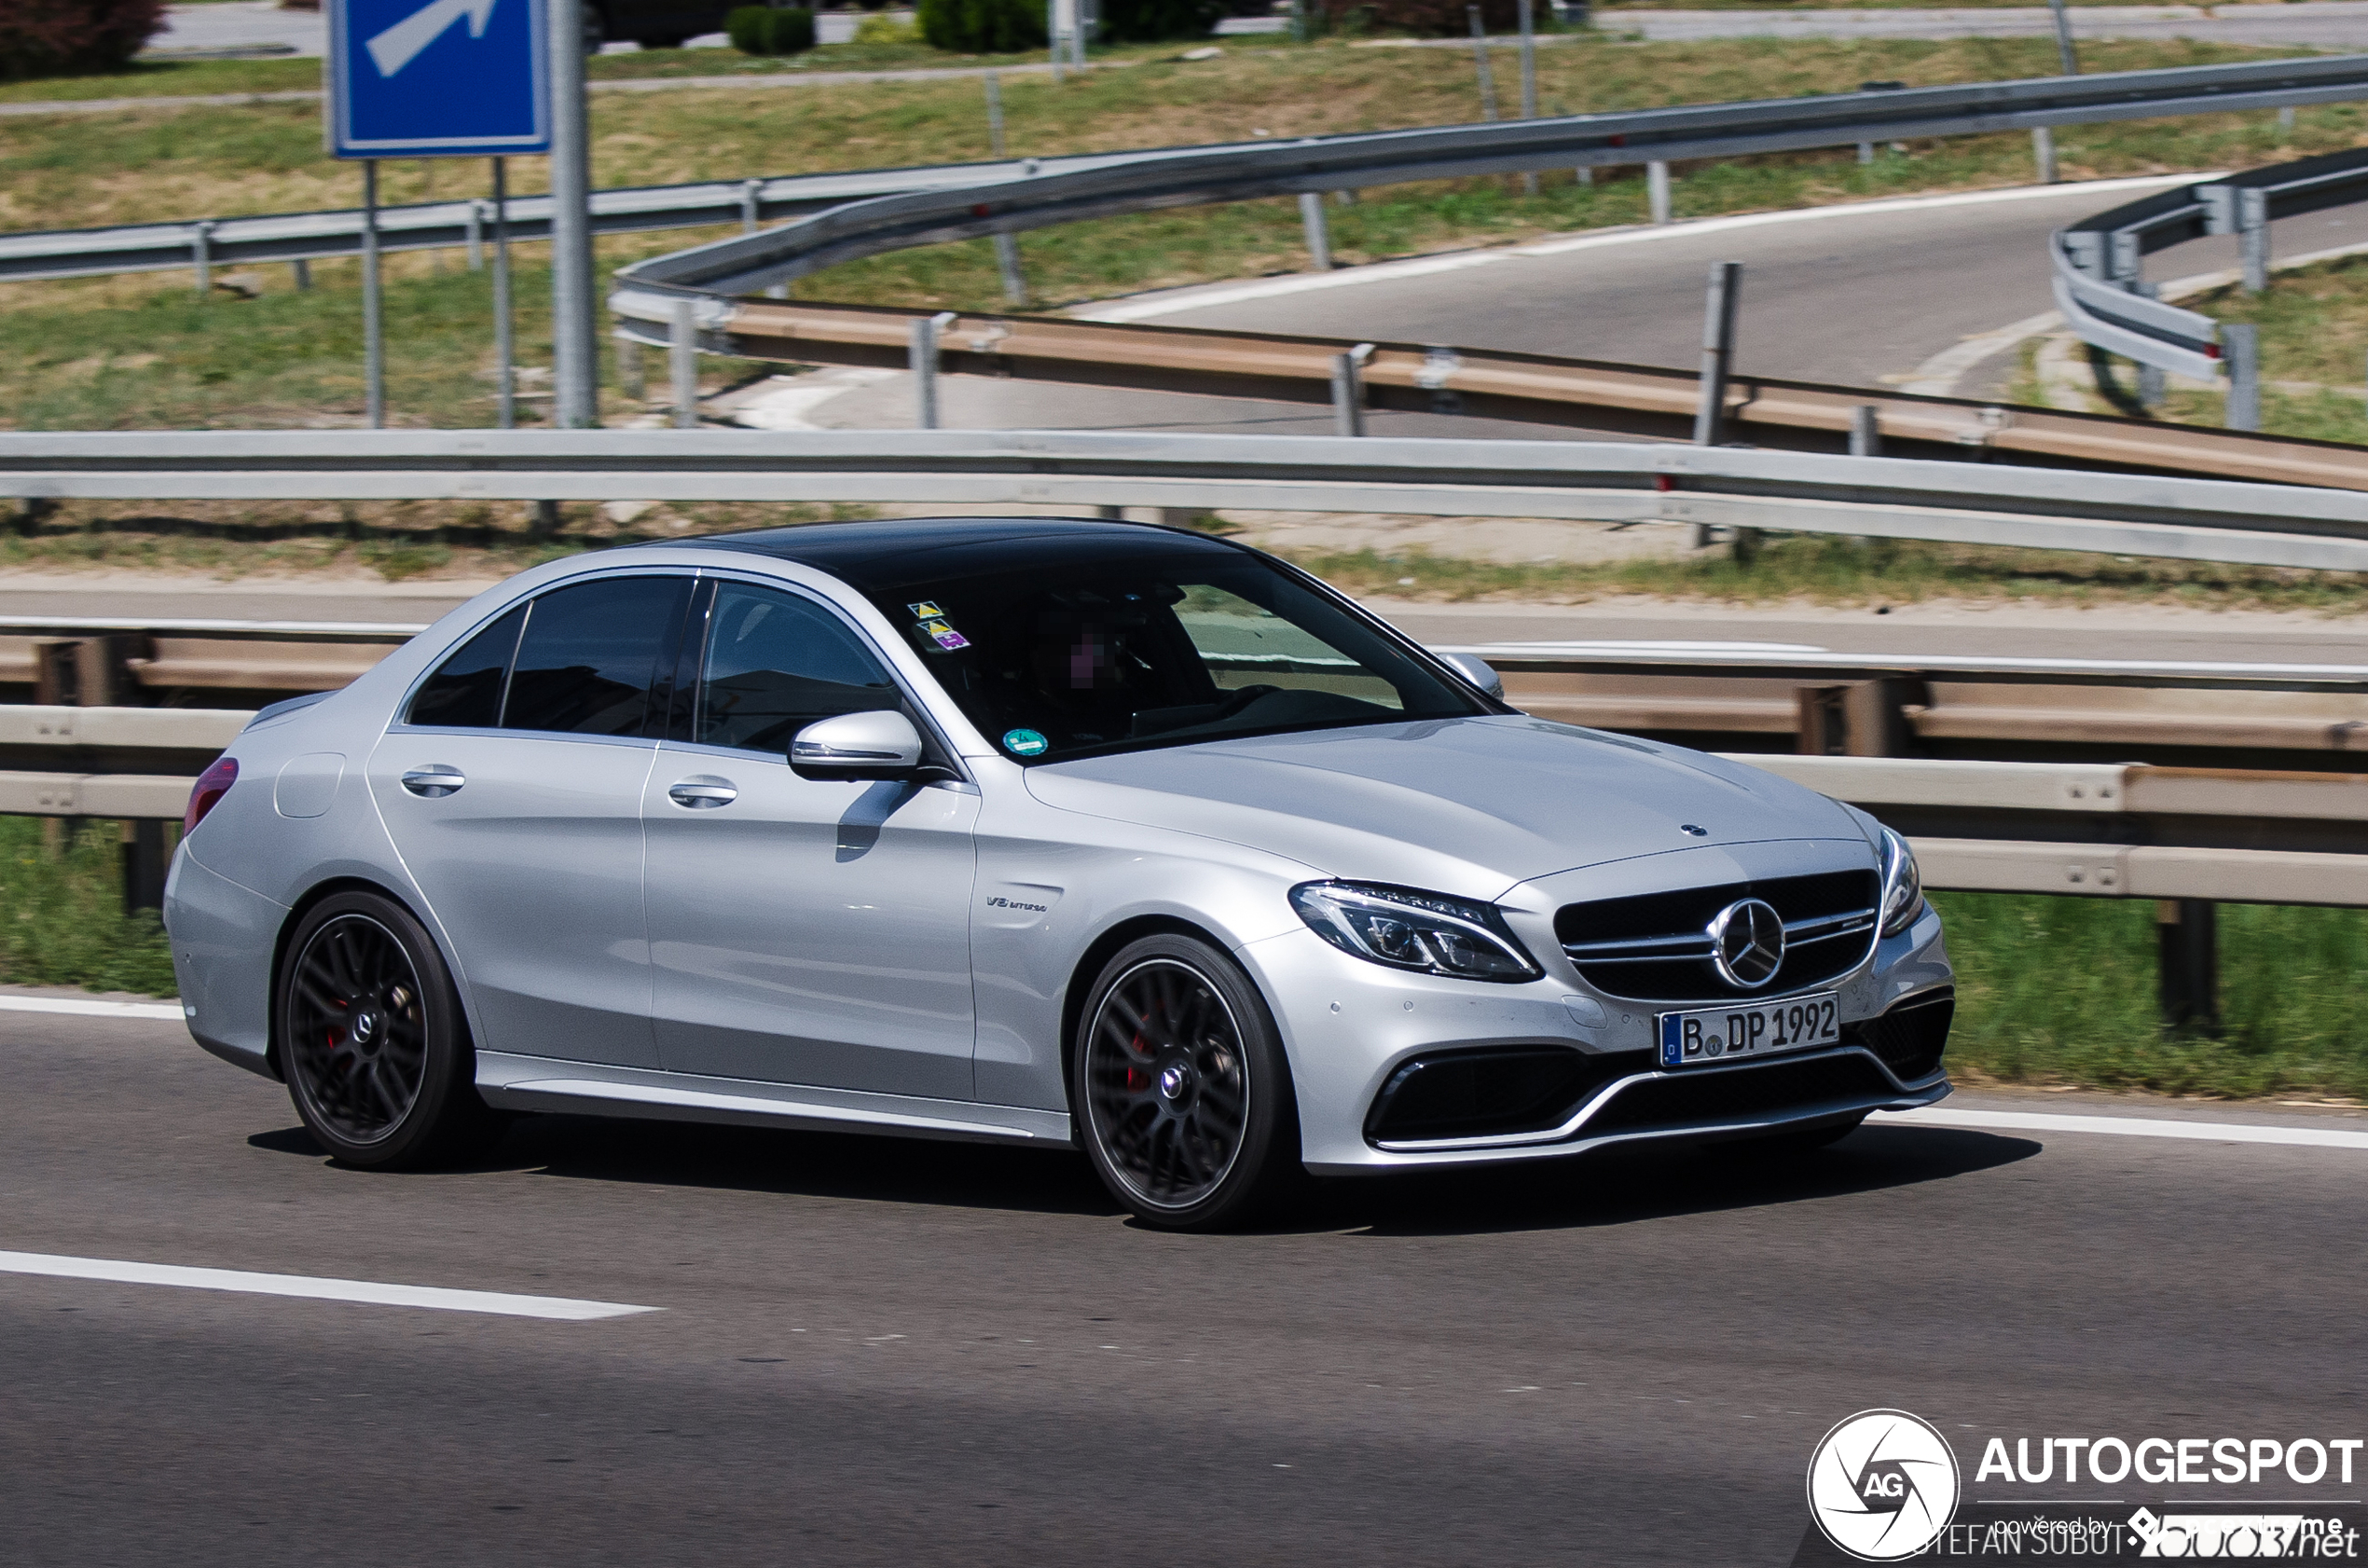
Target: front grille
1740,1094
1656,946
1496,1093
1911,1037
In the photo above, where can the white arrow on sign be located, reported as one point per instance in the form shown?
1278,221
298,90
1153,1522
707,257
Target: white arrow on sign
399,45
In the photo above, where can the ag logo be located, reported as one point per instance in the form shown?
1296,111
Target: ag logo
1882,1485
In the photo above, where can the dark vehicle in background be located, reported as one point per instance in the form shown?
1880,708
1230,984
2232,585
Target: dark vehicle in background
654,24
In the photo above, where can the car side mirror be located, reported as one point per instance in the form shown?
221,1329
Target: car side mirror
1474,669
882,744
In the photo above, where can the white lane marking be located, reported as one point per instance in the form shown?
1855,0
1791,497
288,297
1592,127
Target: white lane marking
434,1297
91,1009
1393,271
2131,1126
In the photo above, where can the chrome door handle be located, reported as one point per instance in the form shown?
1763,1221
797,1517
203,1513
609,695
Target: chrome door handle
433,781
703,792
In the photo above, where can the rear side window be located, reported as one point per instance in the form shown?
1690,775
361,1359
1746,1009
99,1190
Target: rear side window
465,691
591,653
775,663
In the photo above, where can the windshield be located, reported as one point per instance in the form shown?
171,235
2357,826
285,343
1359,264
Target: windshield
1134,648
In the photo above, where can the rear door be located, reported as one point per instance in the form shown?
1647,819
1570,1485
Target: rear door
513,790
802,931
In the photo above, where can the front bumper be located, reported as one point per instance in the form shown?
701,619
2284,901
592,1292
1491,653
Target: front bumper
1351,1027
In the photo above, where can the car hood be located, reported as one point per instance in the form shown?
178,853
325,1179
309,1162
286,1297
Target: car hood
1461,806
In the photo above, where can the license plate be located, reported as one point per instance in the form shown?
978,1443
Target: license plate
1721,1034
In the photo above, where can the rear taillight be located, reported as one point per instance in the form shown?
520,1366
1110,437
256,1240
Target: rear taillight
212,784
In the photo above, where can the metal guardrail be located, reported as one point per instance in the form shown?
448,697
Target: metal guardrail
902,207
2193,519
158,247
1185,176
2099,264
1538,389
2078,828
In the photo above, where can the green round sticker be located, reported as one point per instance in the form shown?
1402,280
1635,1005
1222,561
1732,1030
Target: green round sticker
1023,743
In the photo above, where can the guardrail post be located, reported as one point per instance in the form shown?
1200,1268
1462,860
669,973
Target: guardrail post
1718,349
2042,153
922,356
2065,56
2240,350
201,249
1866,431
1348,390
1657,189
748,206
1529,83
143,864
303,270
1866,152
995,113
629,368
1479,58
2187,963
2252,237
1319,234
682,360
477,236
2286,122
1007,262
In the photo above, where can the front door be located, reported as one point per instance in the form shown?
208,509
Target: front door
513,790
801,931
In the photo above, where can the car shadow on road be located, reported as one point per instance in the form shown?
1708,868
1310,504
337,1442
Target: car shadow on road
889,1170
1612,1186
1625,1186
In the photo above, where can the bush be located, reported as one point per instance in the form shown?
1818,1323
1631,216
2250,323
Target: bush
1151,22
765,30
745,26
886,30
65,37
1433,19
983,26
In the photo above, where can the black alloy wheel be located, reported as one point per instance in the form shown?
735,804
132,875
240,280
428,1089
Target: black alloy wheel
371,1038
1182,1086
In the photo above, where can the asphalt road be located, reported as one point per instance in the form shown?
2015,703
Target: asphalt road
872,1350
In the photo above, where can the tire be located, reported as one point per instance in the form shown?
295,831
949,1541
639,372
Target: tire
372,1039
1181,1092
595,29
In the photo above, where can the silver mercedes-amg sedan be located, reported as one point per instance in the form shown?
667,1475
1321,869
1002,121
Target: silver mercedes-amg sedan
1070,833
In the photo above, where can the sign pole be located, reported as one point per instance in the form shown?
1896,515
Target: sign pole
504,338
374,348
575,345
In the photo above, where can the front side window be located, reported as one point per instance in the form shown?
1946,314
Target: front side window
776,663
1124,648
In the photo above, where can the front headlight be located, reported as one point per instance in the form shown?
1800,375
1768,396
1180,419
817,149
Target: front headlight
1903,885
1428,933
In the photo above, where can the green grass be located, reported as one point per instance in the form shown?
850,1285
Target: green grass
2062,991
2050,990
61,920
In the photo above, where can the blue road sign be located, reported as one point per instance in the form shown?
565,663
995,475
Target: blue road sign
438,79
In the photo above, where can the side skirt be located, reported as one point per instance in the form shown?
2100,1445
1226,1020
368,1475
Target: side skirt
539,1083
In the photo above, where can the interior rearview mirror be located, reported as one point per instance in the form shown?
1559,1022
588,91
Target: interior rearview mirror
1474,669
877,745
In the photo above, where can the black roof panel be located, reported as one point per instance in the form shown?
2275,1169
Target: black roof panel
872,556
